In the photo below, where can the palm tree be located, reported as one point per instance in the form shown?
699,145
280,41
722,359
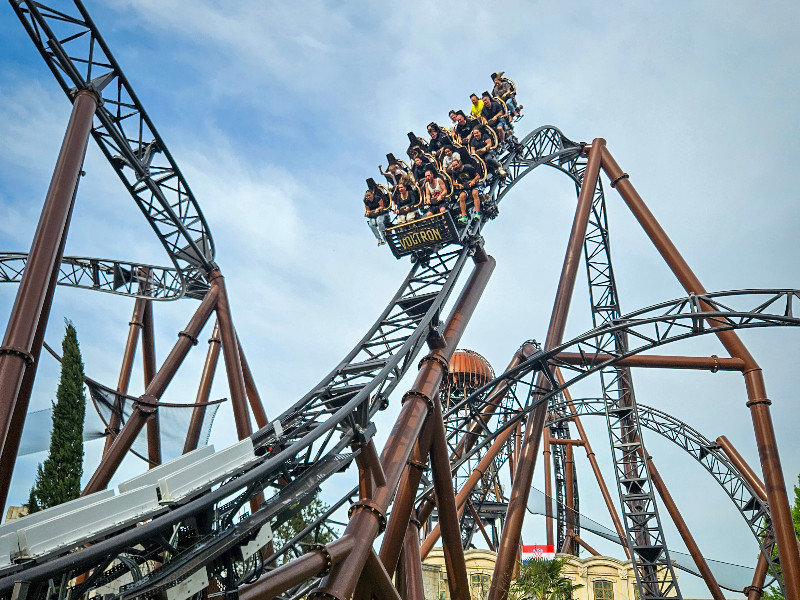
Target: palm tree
542,580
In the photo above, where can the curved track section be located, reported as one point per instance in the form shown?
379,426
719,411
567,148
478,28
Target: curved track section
646,329
79,59
111,276
289,458
706,452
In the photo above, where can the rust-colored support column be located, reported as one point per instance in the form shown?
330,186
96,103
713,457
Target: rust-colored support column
477,517
203,391
515,514
547,455
569,481
17,351
141,412
397,527
579,540
741,464
457,578
292,573
256,406
756,589
757,402
364,525
683,529
148,344
467,487
149,364
711,363
134,326
413,563
598,475
14,437
376,580
230,352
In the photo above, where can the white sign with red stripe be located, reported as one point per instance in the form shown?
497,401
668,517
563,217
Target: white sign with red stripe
538,552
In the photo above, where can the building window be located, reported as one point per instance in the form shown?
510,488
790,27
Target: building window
444,593
603,590
479,582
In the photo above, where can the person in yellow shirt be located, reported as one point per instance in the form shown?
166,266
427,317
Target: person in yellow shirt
477,106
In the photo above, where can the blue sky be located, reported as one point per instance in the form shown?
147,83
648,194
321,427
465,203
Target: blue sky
277,112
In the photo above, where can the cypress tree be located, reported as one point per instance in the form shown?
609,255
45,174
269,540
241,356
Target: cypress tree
58,478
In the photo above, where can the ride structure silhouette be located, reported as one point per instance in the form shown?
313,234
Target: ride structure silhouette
203,523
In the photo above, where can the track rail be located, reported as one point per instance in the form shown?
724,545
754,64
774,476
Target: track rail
112,276
79,58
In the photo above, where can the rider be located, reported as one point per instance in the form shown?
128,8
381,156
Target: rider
406,199
376,205
435,193
466,181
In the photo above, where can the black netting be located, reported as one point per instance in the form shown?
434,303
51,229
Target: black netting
173,425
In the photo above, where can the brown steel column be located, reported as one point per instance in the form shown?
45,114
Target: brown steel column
134,326
457,579
515,514
683,529
548,486
469,485
203,391
569,481
744,468
754,380
256,406
413,563
233,363
17,350
149,364
397,527
365,521
14,437
141,411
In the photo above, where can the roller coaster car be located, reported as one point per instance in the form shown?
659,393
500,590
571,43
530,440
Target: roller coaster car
418,236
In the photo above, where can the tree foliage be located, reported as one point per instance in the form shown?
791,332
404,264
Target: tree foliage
58,478
542,580
301,519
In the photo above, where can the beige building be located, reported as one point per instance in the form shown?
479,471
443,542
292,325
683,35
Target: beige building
602,577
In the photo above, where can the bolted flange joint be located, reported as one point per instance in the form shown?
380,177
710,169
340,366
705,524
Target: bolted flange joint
371,507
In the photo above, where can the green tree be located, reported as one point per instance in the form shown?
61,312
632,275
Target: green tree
58,478
542,580
298,521
774,591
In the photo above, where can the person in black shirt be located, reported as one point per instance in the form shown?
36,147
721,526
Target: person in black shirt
481,145
439,139
406,200
466,181
419,166
376,205
493,115
464,127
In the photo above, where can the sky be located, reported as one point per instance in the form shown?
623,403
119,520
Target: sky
277,112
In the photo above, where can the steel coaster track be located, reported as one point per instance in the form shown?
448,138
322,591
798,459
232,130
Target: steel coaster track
706,452
79,58
111,276
648,328
304,453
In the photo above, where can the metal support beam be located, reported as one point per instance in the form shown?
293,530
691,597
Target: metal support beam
17,350
758,402
515,514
